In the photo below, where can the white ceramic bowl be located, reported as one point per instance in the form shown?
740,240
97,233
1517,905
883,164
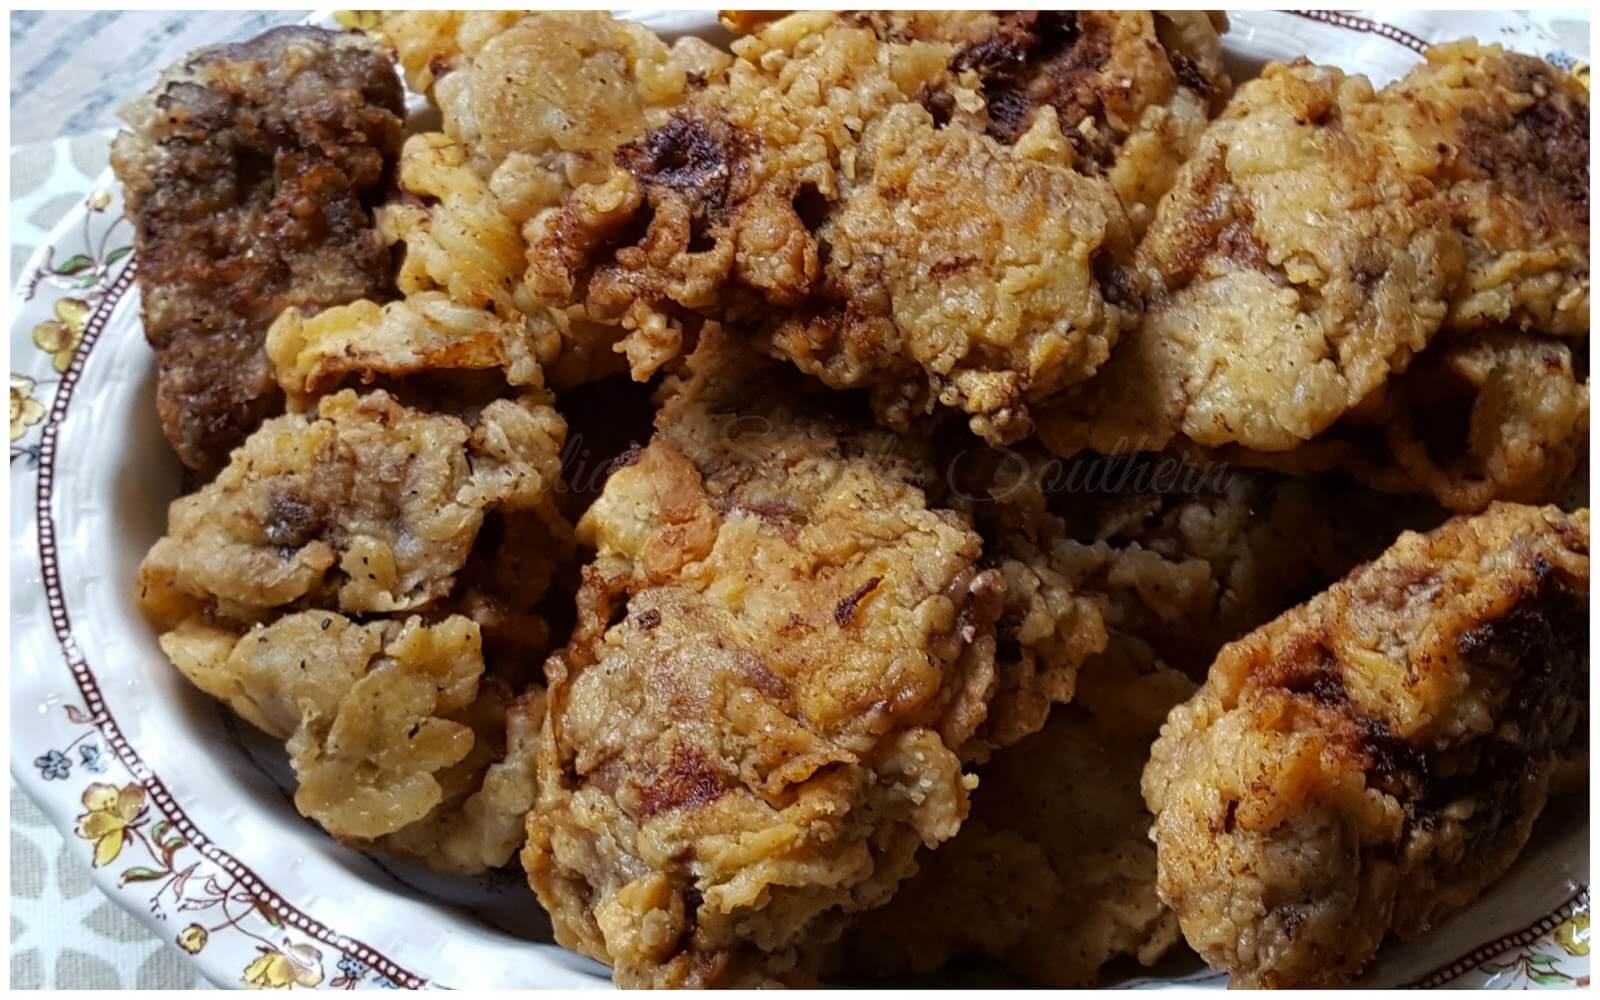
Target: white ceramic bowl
186,816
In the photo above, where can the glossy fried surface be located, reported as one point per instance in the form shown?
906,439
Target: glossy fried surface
1369,762
250,173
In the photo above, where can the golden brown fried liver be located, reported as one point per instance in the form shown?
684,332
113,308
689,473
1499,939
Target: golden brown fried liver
782,648
532,105
809,192
1132,90
1506,138
367,506
402,728
1368,763
398,740
1294,268
1053,874
250,173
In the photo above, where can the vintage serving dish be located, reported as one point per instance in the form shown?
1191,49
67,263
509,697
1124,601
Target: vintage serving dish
186,817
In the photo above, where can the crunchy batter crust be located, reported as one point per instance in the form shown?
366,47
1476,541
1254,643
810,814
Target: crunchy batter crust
532,106
780,651
250,173
877,244
1294,268
398,741
368,506
1132,90
1369,762
1506,137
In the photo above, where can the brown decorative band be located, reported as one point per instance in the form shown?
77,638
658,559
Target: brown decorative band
90,688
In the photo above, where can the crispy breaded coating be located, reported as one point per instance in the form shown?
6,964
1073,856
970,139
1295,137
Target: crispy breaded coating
1294,267
1054,874
397,740
250,172
421,333
1132,90
532,105
1369,762
781,648
1482,416
429,44
809,193
1506,137
366,506
479,823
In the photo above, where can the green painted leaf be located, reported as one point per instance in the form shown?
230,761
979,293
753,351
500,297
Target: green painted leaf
1548,978
1541,960
141,875
72,265
117,254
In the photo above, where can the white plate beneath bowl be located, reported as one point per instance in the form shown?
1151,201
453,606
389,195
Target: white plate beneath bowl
192,826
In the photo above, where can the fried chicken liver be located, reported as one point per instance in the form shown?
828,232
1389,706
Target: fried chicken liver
783,647
1294,268
1368,763
875,243
1053,874
250,173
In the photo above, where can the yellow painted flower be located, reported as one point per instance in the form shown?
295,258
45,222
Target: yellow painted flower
60,337
192,938
110,811
100,199
25,410
358,20
280,969
1573,935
